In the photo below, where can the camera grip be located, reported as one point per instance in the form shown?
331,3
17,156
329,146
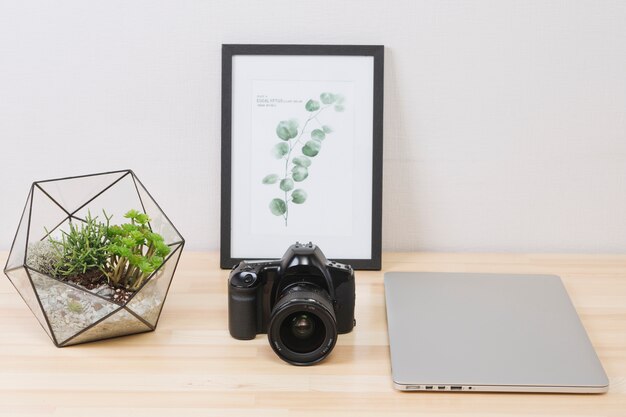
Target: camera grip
346,295
242,312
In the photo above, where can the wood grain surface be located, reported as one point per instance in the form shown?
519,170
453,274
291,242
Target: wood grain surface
190,366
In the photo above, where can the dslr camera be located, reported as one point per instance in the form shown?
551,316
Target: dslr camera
302,301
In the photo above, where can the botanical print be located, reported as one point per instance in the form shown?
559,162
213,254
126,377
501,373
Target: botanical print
295,156
326,193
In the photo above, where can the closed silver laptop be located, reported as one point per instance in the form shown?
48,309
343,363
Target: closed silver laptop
487,332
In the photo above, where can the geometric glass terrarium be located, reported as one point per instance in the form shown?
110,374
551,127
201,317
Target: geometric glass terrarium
74,311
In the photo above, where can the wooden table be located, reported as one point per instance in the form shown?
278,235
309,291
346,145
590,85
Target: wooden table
190,366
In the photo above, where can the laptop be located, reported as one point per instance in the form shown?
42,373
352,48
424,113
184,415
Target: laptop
487,332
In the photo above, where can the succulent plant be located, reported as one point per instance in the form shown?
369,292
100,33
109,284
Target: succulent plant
134,250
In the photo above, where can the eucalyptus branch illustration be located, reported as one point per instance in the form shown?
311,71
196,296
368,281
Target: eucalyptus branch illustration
287,131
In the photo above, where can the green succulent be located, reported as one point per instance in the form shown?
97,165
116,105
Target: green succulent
135,252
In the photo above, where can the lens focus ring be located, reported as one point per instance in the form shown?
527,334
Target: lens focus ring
308,293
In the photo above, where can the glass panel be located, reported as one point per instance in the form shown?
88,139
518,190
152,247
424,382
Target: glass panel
18,249
19,279
148,301
159,224
45,215
120,323
69,309
116,201
71,193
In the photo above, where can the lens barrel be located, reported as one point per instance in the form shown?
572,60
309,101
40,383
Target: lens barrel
303,327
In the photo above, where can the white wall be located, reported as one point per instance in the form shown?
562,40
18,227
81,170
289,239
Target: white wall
505,121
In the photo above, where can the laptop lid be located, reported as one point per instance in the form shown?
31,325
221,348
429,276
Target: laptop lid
487,332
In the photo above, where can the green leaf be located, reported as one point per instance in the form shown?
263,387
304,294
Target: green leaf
134,259
146,267
162,249
156,261
339,99
299,174
312,105
286,184
287,129
281,149
327,129
278,207
318,134
302,161
131,214
142,218
113,231
327,98
298,196
270,179
312,147
155,237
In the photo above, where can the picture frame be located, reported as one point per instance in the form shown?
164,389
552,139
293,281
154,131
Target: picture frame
302,144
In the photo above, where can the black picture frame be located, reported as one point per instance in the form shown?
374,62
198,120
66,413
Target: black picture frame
377,52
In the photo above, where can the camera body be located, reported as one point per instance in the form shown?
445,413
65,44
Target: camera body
263,294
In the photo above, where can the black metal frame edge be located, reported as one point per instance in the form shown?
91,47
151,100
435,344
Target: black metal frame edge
100,193
30,216
143,206
45,315
138,182
6,272
167,291
55,228
226,150
29,197
95,323
65,345
84,175
378,53
138,317
169,256
50,197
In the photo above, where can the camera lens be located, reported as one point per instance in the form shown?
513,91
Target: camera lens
302,332
302,329
302,326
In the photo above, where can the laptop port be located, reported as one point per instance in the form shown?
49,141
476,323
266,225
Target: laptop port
428,387
456,388
441,387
